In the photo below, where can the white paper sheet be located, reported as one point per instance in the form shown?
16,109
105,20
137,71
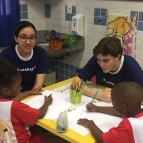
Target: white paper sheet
103,121
60,103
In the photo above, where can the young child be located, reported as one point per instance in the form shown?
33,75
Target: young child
126,99
16,115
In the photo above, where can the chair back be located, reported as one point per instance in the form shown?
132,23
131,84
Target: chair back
5,133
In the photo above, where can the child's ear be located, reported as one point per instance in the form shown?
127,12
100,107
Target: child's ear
124,107
5,91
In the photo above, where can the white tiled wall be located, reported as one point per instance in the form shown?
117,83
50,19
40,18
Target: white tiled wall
92,33
36,12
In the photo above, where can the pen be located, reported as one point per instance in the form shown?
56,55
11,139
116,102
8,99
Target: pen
49,95
94,97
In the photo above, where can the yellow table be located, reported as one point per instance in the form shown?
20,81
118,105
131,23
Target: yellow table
70,135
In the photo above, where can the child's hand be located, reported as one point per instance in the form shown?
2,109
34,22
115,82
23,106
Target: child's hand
85,123
37,90
48,99
91,107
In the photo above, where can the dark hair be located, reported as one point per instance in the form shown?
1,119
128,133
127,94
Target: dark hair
109,46
19,27
130,93
7,73
23,24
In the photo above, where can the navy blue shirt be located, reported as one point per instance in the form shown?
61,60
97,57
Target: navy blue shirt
36,64
129,71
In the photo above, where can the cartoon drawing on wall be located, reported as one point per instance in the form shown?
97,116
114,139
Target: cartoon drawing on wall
118,26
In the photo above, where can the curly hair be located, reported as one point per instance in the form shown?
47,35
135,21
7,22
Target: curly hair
7,73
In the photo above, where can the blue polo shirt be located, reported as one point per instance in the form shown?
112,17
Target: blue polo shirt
28,68
129,70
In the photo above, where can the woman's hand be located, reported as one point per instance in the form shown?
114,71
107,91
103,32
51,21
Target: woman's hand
104,95
36,91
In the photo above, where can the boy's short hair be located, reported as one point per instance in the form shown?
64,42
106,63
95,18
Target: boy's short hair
130,93
108,46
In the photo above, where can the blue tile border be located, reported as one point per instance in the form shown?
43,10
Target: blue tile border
67,73
96,11
48,7
47,14
72,74
67,67
97,20
24,7
47,10
63,70
74,9
76,68
103,12
72,68
62,65
140,17
68,17
100,16
24,15
103,22
23,11
133,13
140,26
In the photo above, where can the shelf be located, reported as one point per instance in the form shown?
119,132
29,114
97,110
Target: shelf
80,45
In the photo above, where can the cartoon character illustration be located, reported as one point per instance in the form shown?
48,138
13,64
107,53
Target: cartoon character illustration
118,26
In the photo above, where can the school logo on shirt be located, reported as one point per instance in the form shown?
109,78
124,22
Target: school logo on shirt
26,69
108,82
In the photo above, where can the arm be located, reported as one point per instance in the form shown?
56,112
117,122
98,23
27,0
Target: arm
104,95
43,109
105,110
120,134
42,67
95,131
40,78
25,94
